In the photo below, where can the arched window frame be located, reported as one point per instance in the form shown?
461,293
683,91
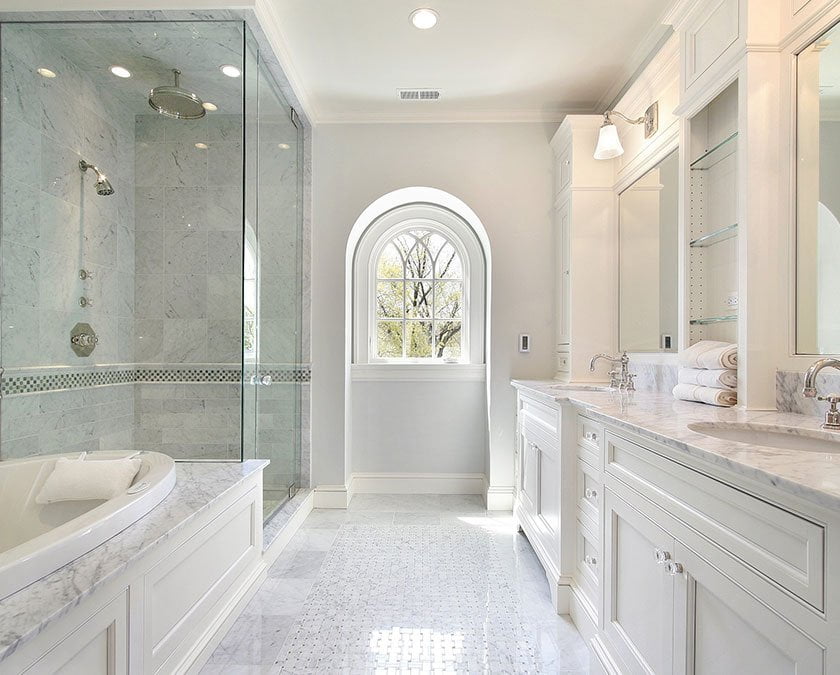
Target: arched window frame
377,236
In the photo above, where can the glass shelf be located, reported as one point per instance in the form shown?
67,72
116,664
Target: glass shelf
718,153
715,237
713,319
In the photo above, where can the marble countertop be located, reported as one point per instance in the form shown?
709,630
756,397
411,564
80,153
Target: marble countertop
814,476
26,613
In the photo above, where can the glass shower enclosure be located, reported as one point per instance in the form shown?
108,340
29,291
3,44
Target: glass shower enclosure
151,245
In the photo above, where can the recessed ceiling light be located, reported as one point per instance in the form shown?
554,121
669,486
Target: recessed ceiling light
283,146
45,72
119,71
212,107
201,146
230,71
424,18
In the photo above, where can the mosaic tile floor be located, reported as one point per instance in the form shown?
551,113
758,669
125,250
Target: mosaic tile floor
403,584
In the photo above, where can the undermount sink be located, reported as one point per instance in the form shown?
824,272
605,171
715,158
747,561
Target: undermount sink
579,387
786,438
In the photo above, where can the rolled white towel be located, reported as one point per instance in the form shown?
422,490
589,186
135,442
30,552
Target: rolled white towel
692,392
722,378
80,479
711,355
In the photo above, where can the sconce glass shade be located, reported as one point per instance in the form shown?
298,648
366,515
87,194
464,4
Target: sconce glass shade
609,145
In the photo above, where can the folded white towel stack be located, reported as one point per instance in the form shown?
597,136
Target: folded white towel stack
708,373
80,479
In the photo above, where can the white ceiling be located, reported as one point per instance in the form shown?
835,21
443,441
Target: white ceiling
494,60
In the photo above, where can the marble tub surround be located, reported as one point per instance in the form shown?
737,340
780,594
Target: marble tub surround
29,611
448,587
809,475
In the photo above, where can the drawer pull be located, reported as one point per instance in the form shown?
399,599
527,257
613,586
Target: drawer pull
674,568
591,436
590,494
661,556
590,560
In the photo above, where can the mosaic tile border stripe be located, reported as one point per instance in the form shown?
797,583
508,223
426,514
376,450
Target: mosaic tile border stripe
29,384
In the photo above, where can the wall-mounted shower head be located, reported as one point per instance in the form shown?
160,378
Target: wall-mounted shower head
103,185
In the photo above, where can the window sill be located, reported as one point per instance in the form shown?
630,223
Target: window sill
418,372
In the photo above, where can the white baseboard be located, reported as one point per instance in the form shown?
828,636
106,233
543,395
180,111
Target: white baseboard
417,483
331,497
499,498
281,541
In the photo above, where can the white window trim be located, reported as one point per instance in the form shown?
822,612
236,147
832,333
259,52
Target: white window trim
373,241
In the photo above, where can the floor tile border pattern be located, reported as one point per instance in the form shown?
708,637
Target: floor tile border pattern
52,381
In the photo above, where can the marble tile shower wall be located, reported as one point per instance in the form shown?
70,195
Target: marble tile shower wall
188,282
53,225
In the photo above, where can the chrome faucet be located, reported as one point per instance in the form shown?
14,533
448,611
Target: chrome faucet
809,390
619,379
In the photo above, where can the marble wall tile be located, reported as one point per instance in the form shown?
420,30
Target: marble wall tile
789,396
20,213
185,252
21,275
21,152
185,296
185,341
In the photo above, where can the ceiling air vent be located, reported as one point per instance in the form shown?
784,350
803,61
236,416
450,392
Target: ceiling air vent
418,94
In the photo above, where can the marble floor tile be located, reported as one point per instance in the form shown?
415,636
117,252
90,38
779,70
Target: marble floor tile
403,583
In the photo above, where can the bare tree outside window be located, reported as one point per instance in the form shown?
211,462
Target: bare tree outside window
419,298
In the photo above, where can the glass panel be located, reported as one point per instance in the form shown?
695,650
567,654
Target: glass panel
418,300
389,299
448,264
277,183
448,339
448,299
389,339
418,264
818,199
390,264
155,251
418,339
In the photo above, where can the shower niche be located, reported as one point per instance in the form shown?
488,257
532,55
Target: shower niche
162,160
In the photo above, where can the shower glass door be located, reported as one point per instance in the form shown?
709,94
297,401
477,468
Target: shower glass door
272,279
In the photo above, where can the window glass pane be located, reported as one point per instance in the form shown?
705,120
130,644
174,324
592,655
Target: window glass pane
418,264
449,297
389,339
435,242
389,299
418,299
390,264
448,339
419,339
404,243
448,264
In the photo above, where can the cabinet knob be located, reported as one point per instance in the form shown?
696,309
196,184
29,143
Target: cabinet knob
591,436
661,556
590,560
674,568
590,494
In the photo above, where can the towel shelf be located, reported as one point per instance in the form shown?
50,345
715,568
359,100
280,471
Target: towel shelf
713,319
716,154
715,237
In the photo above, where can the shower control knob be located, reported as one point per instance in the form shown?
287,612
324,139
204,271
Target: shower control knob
265,380
84,275
83,339
85,302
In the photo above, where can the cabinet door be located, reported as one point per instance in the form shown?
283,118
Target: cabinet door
720,628
638,590
562,271
529,472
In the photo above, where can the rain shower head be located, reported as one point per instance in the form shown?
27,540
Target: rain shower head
103,185
176,102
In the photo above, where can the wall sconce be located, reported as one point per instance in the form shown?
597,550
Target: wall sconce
609,145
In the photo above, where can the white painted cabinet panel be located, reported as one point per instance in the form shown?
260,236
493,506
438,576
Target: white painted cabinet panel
638,591
720,628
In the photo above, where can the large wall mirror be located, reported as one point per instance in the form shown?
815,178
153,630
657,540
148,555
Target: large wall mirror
648,260
818,197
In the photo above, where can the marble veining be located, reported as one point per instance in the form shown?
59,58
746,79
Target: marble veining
29,611
789,396
808,475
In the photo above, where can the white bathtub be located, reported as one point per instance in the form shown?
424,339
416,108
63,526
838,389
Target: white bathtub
37,539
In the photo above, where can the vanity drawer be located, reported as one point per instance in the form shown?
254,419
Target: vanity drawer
589,441
540,416
786,548
588,563
588,494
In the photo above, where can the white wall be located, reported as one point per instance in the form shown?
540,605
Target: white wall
503,172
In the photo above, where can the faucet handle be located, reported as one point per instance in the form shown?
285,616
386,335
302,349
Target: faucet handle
833,400
832,415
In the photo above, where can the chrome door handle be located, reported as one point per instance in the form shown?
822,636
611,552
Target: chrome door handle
662,557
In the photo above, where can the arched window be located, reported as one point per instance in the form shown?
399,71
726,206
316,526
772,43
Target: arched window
419,289
420,298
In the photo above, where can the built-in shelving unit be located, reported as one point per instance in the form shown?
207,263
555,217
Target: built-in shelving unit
713,220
